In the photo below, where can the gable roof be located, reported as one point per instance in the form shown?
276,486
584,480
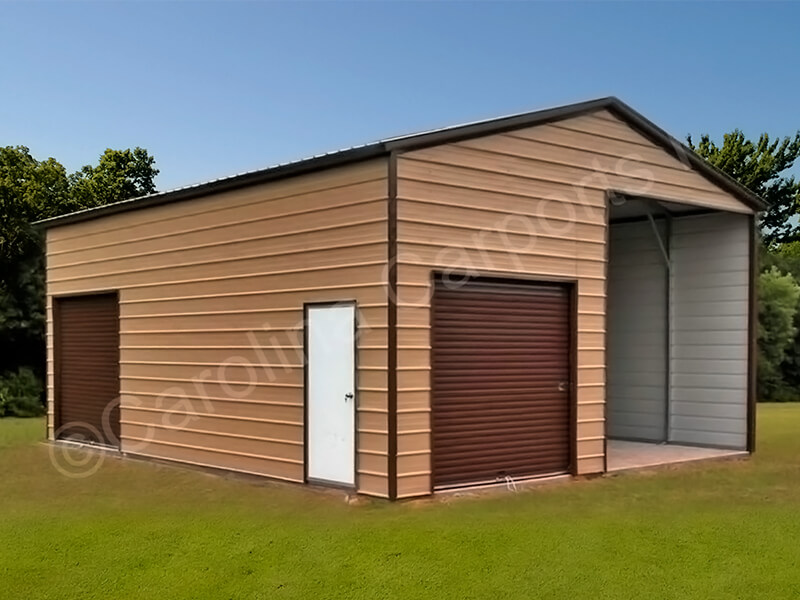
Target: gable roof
425,139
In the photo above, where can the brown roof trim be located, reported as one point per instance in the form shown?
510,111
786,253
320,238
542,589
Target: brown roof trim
636,120
685,154
283,171
457,133
426,139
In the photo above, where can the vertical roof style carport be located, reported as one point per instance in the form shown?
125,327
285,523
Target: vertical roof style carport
398,155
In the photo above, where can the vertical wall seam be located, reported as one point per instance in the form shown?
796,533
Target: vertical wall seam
607,256
752,322
50,356
392,325
668,334
55,399
573,382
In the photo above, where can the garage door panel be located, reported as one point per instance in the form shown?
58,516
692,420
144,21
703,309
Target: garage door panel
509,450
500,354
495,380
485,469
460,418
510,403
496,352
519,465
498,320
87,367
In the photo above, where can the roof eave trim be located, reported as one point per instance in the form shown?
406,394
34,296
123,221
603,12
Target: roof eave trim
638,121
418,141
685,154
458,133
302,167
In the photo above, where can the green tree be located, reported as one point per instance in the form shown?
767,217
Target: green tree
761,166
31,190
786,258
779,296
119,175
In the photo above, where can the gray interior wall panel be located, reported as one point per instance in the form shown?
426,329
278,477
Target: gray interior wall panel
637,292
709,291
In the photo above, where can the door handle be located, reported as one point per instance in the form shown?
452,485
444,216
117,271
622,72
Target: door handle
563,386
348,396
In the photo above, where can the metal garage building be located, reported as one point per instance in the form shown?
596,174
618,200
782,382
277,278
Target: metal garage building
557,292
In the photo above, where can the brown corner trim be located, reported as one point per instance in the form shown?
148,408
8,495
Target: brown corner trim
752,338
391,291
607,257
573,380
55,398
434,276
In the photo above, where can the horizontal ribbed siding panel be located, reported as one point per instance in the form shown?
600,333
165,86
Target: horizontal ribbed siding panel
314,191
710,279
621,176
211,305
465,205
326,280
637,333
440,208
228,264
240,236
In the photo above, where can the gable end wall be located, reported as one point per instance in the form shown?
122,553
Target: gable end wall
527,203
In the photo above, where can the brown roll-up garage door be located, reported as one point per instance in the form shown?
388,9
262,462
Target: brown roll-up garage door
87,368
501,372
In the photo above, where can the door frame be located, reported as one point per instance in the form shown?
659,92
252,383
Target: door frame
55,303
571,286
306,478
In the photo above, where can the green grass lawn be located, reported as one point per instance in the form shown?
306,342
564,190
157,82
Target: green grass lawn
139,530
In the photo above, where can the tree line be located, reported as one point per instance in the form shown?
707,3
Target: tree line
764,167
31,190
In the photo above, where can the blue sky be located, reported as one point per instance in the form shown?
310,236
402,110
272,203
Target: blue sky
216,88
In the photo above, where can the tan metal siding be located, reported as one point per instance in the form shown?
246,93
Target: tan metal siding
505,212
526,203
211,315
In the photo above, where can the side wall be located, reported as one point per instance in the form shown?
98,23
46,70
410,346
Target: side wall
637,333
529,203
211,316
709,287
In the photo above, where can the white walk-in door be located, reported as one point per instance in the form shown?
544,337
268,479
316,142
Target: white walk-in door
331,393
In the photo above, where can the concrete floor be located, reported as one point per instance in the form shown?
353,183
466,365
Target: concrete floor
624,455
